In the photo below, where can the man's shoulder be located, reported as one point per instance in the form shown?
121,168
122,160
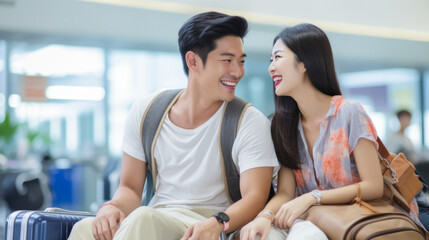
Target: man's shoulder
253,113
139,106
144,101
253,119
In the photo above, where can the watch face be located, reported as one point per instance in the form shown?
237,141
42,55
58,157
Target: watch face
223,216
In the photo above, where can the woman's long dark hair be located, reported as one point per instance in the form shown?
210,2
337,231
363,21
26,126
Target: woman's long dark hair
311,46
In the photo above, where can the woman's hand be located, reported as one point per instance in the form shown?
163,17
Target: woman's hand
291,210
259,226
107,222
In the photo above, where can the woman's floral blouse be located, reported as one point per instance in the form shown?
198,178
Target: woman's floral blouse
333,164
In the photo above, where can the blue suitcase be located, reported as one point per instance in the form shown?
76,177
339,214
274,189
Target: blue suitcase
41,225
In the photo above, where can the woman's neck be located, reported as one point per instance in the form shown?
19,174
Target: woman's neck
313,105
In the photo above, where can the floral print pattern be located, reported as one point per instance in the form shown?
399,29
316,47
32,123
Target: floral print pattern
333,164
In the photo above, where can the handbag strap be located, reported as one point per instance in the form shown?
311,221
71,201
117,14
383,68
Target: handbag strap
359,193
383,154
358,200
382,149
396,195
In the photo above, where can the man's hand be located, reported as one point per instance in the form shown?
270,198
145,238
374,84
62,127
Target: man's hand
207,230
106,222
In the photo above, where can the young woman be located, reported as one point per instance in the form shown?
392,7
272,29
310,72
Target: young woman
324,142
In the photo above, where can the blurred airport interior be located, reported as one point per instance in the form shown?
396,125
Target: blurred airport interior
70,70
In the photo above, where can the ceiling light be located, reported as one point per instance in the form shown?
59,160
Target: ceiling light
75,93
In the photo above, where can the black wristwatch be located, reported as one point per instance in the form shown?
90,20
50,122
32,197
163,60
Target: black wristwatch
222,218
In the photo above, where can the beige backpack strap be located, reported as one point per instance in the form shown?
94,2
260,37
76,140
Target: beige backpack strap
150,126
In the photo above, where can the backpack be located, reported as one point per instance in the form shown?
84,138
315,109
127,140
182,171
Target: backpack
152,121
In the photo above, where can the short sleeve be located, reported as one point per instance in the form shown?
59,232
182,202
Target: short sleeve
360,125
132,143
253,146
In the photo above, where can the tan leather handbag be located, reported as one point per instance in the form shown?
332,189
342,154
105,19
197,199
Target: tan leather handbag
377,219
402,184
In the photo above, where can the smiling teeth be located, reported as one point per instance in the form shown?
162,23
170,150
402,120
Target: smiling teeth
230,83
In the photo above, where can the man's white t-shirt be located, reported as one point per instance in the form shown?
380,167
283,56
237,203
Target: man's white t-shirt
188,160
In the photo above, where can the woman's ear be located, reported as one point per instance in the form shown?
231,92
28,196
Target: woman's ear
191,60
302,67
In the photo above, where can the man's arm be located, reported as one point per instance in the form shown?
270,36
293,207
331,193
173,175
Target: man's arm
126,198
255,158
255,187
129,193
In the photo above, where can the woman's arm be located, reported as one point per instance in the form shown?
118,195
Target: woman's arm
262,223
371,183
285,190
366,157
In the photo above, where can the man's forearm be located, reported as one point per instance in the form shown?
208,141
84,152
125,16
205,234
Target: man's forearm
126,200
245,210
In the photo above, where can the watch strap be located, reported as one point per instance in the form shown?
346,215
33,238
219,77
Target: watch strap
224,222
317,194
225,226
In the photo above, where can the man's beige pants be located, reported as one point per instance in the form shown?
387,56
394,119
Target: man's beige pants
146,223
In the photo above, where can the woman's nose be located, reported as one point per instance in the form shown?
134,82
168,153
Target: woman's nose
271,68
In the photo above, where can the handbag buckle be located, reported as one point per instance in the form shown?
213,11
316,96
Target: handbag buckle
387,165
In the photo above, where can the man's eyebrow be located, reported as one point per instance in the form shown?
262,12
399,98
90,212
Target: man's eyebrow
232,54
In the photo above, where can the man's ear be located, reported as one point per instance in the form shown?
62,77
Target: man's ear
192,60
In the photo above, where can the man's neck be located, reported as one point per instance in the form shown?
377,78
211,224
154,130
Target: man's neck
192,109
401,131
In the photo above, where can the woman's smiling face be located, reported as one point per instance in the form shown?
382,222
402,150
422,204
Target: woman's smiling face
284,69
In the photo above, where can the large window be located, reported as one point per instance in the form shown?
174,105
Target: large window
57,93
134,74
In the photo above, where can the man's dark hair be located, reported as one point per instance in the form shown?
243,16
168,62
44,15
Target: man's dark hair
201,31
403,112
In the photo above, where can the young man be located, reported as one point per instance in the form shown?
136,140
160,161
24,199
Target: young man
190,186
398,141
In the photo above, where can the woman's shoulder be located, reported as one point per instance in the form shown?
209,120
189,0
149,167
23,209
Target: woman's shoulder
349,110
350,106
